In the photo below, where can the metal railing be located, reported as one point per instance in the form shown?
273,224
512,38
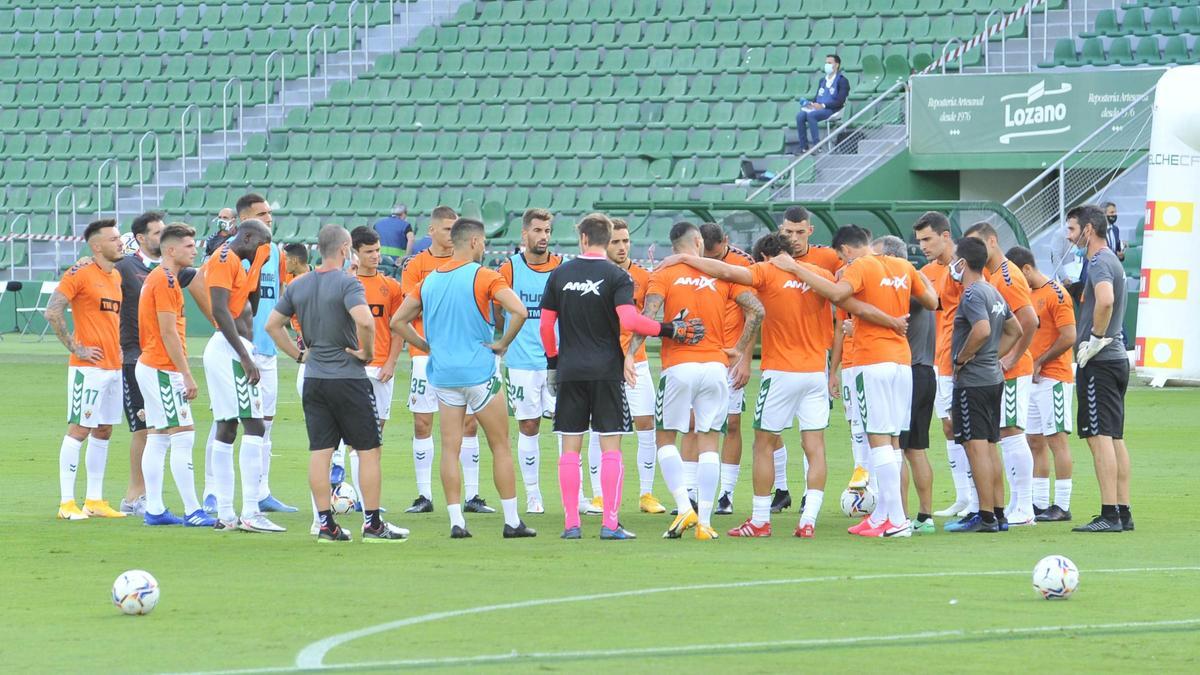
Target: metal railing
183,151
308,39
12,229
142,172
58,229
116,171
946,50
241,111
366,25
987,61
1113,148
267,85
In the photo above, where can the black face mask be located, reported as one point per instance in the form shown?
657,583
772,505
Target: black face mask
1111,219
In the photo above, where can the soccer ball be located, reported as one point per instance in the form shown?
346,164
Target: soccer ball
1055,577
857,502
135,592
129,244
344,498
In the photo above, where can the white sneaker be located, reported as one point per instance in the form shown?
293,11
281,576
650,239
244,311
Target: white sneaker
315,529
595,507
954,509
902,530
584,504
402,531
135,508
533,504
1021,519
259,523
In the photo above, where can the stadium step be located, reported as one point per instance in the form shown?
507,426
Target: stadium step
1014,53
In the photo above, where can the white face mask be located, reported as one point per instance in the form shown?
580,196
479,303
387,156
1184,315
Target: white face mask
956,269
828,68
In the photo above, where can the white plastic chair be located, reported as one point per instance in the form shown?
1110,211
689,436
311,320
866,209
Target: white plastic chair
38,308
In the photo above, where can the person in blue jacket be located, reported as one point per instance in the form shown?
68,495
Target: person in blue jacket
832,91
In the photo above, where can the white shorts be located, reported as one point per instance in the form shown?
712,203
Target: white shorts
383,393
1050,408
268,382
641,395
693,389
528,396
474,398
1014,403
421,398
848,400
945,394
163,393
300,381
737,397
230,394
94,396
785,396
883,397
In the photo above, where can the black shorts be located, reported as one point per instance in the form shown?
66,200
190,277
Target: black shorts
924,390
596,405
975,412
1100,387
340,410
134,403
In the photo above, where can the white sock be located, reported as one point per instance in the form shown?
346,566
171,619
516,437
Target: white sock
468,456
529,457
423,465
760,512
95,460
153,458
960,471
338,458
804,458
781,456
354,478
509,507
646,459
593,460
68,464
729,478
1018,465
222,460
456,516
1062,493
210,484
812,506
708,475
264,483
887,473
671,465
250,467
1041,492
860,450
689,477
182,471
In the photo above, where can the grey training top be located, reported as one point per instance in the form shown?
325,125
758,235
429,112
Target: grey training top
322,301
980,302
1104,266
921,334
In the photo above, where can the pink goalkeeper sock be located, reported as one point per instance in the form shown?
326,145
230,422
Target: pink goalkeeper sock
569,482
612,475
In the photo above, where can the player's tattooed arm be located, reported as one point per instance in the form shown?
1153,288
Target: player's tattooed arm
834,291
56,316
649,309
753,310
401,324
873,314
711,267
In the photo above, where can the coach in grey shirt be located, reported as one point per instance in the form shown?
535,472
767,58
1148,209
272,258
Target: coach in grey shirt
339,403
1103,373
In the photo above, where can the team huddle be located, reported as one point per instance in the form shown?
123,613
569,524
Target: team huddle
978,336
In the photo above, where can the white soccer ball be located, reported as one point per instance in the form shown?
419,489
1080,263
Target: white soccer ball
1055,577
344,498
129,244
857,502
135,592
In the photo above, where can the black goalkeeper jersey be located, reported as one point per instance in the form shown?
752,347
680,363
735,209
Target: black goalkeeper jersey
585,292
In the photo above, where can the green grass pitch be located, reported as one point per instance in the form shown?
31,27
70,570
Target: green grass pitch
273,603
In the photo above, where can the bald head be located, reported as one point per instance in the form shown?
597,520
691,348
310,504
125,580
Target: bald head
250,235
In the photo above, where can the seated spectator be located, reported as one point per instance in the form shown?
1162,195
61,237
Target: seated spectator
832,91
395,233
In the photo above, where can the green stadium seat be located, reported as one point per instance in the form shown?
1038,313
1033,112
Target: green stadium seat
1064,53
1093,53
1120,51
1176,51
1106,24
1133,22
1147,52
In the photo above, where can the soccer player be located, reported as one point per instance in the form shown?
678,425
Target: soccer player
915,441
588,302
932,231
1103,373
456,301
422,401
797,227
338,400
93,292
883,375
1018,380
694,382
270,287
640,395
232,376
717,247
529,398
146,229
984,328
1049,423
165,380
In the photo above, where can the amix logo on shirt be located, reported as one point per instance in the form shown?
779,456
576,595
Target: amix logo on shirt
804,288
894,282
700,283
584,287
